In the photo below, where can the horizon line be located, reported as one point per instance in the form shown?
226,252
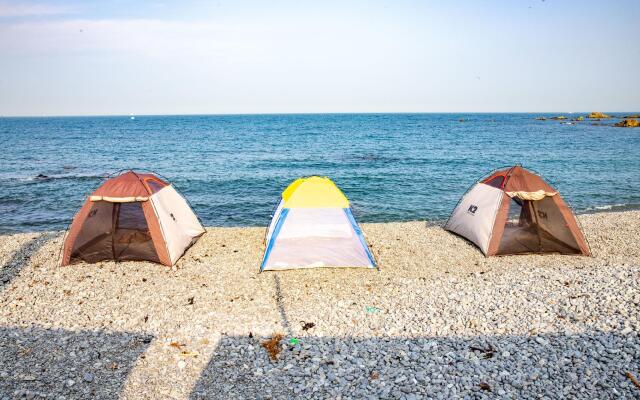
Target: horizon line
301,113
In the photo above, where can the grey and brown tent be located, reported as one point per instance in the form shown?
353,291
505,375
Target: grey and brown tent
132,216
514,211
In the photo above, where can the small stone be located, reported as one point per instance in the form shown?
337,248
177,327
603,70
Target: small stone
70,382
182,364
87,377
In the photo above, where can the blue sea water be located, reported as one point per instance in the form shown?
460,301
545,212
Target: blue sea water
393,167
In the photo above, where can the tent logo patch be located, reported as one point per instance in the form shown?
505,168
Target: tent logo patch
472,209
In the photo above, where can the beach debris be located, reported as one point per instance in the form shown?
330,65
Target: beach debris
176,345
374,375
307,325
487,352
372,310
628,123
633,379
597,115
272,346
294,341
185,353
190,301
485,386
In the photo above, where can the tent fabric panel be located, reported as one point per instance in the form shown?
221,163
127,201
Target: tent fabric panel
155,230
475,215
360,235
522,180
74,230
550,218
282,216
314,192
498,226
179,224
308,238
316,222
94,241
572,225
128,184
536,227
317,252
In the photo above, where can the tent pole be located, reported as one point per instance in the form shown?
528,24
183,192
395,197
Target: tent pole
535,216
114,226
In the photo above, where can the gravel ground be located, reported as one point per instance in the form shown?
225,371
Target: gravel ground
437,320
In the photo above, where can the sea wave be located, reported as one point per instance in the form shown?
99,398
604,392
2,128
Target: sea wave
612,207
44,178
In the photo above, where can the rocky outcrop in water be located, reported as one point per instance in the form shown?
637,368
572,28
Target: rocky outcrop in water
628,123
598,115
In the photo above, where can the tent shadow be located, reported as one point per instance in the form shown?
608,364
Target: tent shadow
21,258
587,365
73,364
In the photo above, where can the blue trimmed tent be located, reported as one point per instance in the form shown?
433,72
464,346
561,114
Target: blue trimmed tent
313,226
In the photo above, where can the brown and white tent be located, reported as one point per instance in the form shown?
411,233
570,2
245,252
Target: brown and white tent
132,216
514,211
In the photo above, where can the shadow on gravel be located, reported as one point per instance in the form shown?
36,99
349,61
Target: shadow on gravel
21,258
555,366
77,365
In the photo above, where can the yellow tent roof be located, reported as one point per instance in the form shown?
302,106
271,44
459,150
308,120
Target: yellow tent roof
314,192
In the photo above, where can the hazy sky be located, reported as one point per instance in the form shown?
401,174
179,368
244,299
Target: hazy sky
205,57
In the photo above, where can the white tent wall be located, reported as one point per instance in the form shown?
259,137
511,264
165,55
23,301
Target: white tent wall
475,215
179,224
315,237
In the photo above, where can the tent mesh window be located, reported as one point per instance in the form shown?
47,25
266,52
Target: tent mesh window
132,237
536,227
114,231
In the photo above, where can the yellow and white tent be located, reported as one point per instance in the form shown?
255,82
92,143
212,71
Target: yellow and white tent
313,226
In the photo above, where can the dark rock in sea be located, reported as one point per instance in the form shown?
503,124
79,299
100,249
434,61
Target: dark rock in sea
632,116
541,118
628,123
559,117
598,115
580,118
42,177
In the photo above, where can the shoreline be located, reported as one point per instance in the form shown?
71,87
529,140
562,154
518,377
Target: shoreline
615,208
437,318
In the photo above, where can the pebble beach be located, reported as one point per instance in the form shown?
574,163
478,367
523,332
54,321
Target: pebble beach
437,320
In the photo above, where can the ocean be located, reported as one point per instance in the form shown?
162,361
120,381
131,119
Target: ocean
232,168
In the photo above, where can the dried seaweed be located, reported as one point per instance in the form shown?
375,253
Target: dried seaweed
273,346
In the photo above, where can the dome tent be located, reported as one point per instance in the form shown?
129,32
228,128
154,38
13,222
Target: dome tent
313,226
132,216
514,211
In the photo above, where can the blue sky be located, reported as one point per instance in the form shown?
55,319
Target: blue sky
208,57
